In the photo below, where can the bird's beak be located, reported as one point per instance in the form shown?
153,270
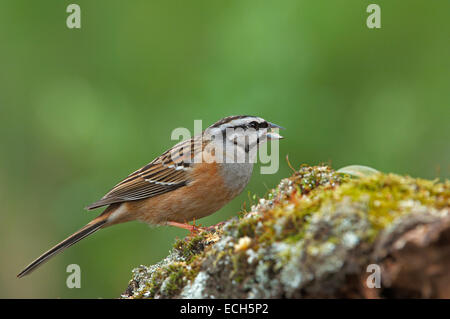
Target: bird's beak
274,135
273,125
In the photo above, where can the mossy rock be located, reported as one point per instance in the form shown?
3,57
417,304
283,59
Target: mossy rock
313,236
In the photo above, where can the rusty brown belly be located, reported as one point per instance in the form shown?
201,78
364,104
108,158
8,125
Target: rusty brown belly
206,194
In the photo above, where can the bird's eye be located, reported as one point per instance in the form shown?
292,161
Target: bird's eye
254,124
263,125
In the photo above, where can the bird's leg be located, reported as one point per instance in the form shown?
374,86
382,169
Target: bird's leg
193,229
180,225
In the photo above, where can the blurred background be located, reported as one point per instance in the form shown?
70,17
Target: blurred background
80,109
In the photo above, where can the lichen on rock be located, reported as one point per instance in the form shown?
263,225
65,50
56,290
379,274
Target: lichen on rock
311,236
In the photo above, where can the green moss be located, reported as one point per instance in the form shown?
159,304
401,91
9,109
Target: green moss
152,286
170,276
190,246
286,216
176,279
289,216
391,196
246,228
220,255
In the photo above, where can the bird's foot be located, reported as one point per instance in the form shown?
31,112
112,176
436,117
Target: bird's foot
196,229
215,227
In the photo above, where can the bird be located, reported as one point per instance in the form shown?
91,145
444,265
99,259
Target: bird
191,180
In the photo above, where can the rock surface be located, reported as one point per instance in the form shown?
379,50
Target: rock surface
319,234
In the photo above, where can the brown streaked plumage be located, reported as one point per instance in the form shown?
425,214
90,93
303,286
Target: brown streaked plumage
174,188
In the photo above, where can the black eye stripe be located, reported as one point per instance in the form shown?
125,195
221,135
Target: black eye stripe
254,125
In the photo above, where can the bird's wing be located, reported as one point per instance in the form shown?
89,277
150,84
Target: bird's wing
166,173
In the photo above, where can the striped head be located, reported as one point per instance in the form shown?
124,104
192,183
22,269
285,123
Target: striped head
244,130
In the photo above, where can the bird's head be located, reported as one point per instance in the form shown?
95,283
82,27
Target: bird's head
244,130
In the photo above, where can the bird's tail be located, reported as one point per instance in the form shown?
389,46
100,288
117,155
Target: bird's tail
87,230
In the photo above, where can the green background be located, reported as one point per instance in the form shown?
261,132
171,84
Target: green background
81,109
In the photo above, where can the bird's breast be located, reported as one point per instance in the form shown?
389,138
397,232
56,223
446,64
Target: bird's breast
236,175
